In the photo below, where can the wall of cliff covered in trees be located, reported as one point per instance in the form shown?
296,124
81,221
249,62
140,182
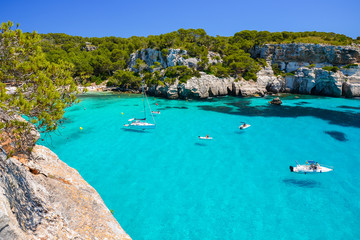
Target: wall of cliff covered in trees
98,59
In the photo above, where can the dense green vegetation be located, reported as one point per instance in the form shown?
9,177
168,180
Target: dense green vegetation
43,88
98,59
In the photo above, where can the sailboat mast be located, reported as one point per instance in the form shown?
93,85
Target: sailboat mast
142,86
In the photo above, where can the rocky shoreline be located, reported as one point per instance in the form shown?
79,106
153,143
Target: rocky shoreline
41,197
301,64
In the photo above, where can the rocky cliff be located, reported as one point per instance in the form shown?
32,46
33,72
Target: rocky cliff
290,57
43,198
303,62
172,58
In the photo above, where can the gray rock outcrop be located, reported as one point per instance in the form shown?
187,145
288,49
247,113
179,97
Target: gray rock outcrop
293,59
315,81
43,198
174,57
292,56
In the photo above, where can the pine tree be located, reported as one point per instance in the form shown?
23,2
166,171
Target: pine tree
43,89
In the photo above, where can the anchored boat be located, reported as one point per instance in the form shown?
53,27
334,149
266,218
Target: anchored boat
141,123
310,167
244,126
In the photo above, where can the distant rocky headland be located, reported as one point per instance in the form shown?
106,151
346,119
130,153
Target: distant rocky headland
43,198
302,68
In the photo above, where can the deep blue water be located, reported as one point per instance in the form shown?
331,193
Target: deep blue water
167,184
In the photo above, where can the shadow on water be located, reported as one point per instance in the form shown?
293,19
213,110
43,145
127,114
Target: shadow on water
239,132
340,136
349,107
301,103
178,107
302,183
201,144
240,104
134,130
333,117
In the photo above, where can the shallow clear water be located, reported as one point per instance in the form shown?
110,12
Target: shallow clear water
167,184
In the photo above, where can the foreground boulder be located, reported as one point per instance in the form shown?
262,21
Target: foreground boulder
43,198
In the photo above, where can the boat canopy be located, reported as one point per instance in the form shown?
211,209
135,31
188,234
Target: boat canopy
311,162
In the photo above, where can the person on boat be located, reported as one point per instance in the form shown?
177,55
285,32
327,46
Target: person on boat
318,165
312,166
207,136
244,125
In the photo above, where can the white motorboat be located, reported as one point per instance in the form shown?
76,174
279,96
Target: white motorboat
155,112
244,126
310,167
141,123
205,138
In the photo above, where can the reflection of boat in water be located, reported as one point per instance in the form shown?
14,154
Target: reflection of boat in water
310,167
141,123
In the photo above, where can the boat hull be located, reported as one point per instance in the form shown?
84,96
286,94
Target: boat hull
245,127
205,138
306,169
143,126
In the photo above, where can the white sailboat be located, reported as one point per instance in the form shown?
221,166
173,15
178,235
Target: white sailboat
141,123
310,167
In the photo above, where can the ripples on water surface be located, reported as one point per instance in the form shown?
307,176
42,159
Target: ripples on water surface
166,184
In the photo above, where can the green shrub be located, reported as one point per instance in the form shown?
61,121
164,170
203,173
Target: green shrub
331,68
351,65
277,70
311,66
250,75
262,62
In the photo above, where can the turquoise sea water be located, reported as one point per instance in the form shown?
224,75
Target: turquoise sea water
167,184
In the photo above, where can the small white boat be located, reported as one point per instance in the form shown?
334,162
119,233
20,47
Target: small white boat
139,124
310,167
155,112
205,138
244,127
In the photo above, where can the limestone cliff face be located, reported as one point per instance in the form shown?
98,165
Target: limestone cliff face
294,58
316,81
174,57
43,198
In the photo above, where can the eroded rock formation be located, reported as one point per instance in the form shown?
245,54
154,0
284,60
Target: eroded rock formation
43,198
303,62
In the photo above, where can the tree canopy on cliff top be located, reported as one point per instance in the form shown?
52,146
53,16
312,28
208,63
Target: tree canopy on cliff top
42,89
96,59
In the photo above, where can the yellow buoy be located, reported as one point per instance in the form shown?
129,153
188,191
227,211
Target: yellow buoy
122,113
81,128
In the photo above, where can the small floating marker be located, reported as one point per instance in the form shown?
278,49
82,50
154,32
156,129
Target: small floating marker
81,128
122,113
